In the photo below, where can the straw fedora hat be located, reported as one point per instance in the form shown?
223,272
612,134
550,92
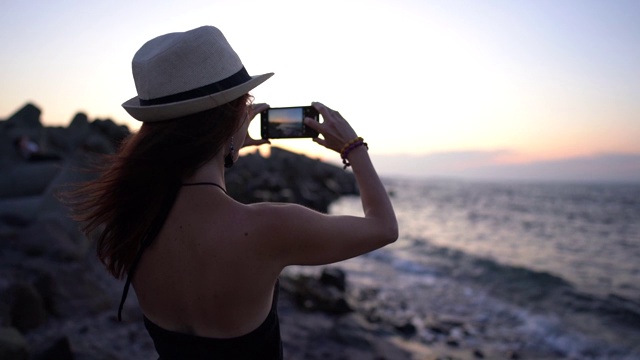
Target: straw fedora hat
183,73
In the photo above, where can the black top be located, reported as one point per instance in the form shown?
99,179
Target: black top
262,343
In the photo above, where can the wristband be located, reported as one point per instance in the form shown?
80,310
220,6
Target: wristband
348,147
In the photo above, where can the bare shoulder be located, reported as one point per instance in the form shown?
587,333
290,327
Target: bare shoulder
274,206
270,214
281,222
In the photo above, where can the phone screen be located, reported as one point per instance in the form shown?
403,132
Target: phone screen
281,123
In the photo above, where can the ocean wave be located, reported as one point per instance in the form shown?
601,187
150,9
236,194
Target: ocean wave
491,273
531,289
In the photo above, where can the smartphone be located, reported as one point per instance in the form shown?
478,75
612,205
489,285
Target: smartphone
287,122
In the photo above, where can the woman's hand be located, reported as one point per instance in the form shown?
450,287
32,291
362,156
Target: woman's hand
335,130
252,111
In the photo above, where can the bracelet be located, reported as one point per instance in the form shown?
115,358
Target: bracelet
348,147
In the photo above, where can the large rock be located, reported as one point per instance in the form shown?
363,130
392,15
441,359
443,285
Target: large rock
57,349
112,131
314,294
27,307
27,117
288,177
335,277
79,121
13,345
99,136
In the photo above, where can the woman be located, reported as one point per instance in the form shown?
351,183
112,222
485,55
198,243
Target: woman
205,267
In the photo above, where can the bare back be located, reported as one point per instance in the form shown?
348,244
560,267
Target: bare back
206,273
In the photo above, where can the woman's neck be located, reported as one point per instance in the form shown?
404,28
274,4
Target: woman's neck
211,171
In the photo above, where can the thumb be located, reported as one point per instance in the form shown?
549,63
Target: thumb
320,141
259,142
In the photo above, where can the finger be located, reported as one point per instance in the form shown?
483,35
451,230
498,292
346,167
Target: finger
313,124
322,109
256,109
249,141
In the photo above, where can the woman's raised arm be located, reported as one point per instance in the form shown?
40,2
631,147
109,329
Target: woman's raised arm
304,237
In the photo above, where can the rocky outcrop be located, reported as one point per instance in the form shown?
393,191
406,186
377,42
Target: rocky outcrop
326,293
288,177
27,117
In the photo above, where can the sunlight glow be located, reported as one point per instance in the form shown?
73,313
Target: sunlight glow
412,77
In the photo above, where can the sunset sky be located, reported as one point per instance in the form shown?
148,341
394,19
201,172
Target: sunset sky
434,87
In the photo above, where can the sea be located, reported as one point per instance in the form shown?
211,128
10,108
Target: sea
543,267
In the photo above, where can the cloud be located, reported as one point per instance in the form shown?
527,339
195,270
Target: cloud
438,164
486,165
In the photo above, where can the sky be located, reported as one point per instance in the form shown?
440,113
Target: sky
436,88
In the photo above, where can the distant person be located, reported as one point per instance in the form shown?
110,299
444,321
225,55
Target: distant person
30,150
205,267
26,147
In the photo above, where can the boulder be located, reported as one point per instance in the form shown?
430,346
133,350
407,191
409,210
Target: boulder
13,345
57,349
333,276
406,328
27,307
27,117
99,136
288,177
311,294
79,121
112,131
47,287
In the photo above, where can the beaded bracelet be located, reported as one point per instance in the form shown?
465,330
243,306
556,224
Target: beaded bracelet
348,147
350,143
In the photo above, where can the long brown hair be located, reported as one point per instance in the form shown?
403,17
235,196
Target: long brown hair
136,182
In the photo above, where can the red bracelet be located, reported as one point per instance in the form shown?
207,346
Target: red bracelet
348,147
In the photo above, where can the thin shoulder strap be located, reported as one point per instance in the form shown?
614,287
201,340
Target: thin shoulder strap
153,232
